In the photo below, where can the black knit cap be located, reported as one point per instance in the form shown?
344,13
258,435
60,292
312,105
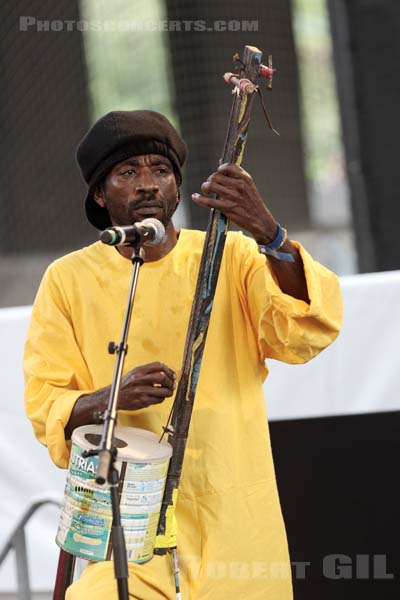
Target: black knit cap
117,136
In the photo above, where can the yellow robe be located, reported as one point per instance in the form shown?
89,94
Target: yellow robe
231,535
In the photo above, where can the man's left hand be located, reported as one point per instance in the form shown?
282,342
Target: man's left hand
239,200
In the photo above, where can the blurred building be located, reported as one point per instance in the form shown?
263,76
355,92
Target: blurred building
64,64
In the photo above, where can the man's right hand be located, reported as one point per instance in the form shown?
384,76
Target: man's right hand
146,385
140,387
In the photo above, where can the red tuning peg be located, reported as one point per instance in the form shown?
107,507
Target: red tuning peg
267,72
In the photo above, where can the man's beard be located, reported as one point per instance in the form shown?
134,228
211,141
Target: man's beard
145,199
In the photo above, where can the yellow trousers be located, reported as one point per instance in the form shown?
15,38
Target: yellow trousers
150,581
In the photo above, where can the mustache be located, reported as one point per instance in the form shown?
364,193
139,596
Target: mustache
144,199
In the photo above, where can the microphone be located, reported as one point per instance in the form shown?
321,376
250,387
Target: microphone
149,232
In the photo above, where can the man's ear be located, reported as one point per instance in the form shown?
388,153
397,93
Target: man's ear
99,197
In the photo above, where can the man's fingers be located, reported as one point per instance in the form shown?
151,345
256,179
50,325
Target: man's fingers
155,367
232,170
143,396
232,183
145,401
221,204
216,187
150,390
156,378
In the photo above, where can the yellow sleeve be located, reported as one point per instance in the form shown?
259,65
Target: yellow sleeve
288,329
54,368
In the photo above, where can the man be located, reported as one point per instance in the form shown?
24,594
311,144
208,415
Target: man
277,303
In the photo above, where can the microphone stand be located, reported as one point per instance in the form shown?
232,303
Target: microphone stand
107,452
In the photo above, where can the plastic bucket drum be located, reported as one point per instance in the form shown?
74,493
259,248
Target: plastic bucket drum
86,517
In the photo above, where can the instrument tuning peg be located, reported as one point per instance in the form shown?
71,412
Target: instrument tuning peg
267,72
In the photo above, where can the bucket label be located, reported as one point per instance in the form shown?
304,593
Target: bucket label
86,518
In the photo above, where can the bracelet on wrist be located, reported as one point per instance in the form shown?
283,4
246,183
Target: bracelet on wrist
272,249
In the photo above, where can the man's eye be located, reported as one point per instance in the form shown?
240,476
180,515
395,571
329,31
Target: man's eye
128,172
162,170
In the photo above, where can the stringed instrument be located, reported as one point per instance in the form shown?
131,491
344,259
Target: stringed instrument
249,70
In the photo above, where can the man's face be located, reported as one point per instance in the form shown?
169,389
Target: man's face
138,188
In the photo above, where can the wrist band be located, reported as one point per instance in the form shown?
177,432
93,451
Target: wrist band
272,248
